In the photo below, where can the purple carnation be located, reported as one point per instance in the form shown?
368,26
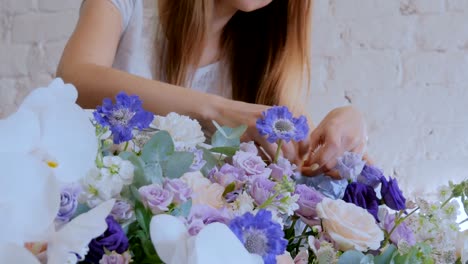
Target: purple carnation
251,164
401,233
179,189
228,174
278,123
113,239
201,215
281,168
350,165
122,211
392,195
260,235
261,190
363,196
198,161
68,203
123,116
156,198
370,175
308,200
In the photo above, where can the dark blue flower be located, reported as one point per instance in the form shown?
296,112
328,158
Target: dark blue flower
370,175
260,235
278,123
123,116
363,196
392,195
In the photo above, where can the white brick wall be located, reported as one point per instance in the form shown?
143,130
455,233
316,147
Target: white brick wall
402,62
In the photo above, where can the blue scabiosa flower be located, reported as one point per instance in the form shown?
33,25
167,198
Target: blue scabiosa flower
122,117
260,235
278,123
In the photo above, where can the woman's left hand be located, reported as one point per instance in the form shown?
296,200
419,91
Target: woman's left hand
343,129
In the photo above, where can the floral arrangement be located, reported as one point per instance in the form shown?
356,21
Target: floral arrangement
140,188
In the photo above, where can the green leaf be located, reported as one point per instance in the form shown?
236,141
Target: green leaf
226,136
177,164
158,148
231,187
143,217
183,210
153,173
386,256
135,193
138,174
228,151
351,257
81,209
211,162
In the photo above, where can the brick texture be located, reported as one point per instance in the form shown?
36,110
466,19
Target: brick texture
404,63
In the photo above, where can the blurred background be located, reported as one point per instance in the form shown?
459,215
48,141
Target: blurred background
404,63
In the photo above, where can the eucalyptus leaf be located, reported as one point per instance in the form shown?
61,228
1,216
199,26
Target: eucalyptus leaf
211,162
81,209
153,173
183,210
135,193
386,256
226,136
351,257
158,147
228,151
177,164
138,173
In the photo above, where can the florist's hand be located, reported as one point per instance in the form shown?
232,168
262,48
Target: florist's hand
343,129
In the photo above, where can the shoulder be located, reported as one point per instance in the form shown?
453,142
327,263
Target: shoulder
127,8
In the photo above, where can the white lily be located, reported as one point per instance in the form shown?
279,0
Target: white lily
214,244
12,253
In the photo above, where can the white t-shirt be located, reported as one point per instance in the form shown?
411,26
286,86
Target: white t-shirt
136,51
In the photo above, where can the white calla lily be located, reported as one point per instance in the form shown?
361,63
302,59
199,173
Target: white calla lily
214,244
12,253
75,236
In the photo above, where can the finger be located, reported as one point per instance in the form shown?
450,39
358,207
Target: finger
289,151
360,148
334,174
268,148
323,161
367,159
315,139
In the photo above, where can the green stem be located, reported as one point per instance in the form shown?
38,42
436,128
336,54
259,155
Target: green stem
300,238
126,146
269,201
466,220
446,201
278,150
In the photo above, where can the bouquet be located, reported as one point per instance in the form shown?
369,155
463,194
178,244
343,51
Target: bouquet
120,185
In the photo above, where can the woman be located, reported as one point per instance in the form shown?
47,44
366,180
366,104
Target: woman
238,56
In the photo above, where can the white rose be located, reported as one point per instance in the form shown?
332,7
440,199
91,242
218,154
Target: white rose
462,246
350,226
204,192
185,132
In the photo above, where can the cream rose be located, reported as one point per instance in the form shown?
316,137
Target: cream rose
462,246
350,226
204,192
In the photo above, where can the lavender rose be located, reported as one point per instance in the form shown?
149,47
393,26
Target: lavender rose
308,200
122,211
113,239
116,258
201,215
401,233
392,195
156,198
281,168
252,165
363,196
350,165
179,189
228,174
370,175
249,147
198,161
68,203
261,190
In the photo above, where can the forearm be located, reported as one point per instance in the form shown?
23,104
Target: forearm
97,82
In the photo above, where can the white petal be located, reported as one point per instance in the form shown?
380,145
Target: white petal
217,244
68,137
11,253
169,236
29,196
19,132
77,234
43,97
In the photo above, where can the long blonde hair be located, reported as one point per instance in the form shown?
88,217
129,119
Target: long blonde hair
267,51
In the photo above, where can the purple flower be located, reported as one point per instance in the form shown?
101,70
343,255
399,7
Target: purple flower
122,211
252,165
401,233
115,258
261,190
363,196
201,215
68,203
156,198
308,200
392,195
281,168
249,147
179,189
123,116
228,174
350,165
370,175
198,161
260,235
113,239
278,123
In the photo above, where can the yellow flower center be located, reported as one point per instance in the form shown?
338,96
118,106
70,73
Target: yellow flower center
52,164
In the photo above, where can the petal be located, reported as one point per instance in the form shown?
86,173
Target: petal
77,234
11,253
169,236
19,132
30,197
56,92
216,243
